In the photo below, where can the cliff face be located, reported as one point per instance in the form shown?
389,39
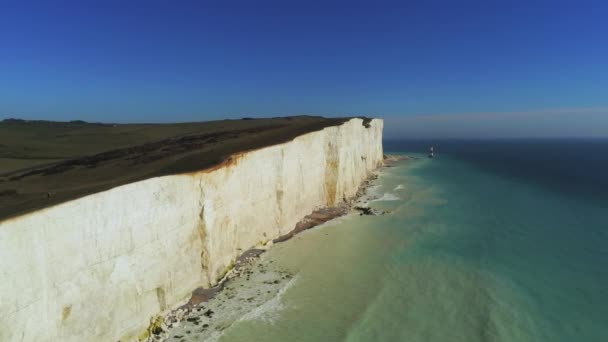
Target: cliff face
98,268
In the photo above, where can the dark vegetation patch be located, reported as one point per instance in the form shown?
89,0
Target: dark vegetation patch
8,192
13,120
366,121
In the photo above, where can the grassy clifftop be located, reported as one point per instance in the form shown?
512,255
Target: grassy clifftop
44,163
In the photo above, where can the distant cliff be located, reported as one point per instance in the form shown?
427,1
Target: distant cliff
99,267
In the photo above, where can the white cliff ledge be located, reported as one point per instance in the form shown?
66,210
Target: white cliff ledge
100,267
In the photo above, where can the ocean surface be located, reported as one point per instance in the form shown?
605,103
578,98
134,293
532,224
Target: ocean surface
489,241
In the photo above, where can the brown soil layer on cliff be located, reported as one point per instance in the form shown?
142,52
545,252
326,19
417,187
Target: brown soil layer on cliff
89,158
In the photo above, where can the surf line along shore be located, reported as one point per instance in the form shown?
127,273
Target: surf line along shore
250,284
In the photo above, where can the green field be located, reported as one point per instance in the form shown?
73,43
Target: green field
29,143
44,163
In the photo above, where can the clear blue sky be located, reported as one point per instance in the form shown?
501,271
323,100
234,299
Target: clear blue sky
446,68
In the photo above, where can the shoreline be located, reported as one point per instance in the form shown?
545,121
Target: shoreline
194,321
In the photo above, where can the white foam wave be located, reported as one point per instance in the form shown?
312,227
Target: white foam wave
269,311
387,197
399,187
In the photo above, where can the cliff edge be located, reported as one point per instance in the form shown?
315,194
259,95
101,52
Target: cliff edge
99,267
87,157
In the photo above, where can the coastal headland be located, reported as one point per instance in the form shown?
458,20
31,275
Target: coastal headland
97,247
43,163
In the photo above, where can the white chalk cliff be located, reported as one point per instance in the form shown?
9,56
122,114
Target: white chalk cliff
99,267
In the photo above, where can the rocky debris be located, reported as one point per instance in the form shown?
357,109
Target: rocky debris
316,218
157,328
325,214
201,295
365,210
194,311
364,186
199,322
247,258
370,211
391,159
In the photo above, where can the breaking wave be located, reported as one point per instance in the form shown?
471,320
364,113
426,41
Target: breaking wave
269,311
387,197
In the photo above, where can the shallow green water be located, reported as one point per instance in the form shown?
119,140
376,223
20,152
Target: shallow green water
465,254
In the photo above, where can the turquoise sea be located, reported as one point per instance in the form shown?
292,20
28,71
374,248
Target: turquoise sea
489,241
